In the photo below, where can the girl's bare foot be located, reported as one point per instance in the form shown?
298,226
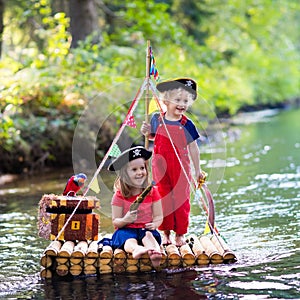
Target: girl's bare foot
167,238
138,252
155,257
179,240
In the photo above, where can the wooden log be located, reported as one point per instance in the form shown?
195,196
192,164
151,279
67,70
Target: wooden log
202,262
217,261
119,253
61,260
199,251
75,260
106,252
89,260
62,270
174,258
119,257
89,269
53,248
164,257
130,261
210,249
76,269
145,260
46,273
66,249
93,250
80,249
223,248
79,254
46,261
187,255
103,261
105,255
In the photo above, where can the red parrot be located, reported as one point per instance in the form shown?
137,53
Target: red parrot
74,184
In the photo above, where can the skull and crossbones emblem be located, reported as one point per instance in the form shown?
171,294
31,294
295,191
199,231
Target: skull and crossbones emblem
189,83
137,152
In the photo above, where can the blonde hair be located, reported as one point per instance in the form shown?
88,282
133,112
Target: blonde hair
167,95
123,182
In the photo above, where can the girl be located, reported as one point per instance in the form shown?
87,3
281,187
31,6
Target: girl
175,142
136,230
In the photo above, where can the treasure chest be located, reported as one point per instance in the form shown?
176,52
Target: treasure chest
80,227
68,218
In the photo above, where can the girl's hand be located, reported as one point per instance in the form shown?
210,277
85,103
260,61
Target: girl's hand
130,216
150,226
145,129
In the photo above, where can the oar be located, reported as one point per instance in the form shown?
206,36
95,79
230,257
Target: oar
210,210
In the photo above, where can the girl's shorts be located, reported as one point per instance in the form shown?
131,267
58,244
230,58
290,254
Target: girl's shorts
121,235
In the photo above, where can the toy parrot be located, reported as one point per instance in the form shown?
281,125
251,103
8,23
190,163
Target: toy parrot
74,184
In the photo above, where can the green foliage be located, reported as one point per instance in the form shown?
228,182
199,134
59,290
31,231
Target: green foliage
141,21
238,51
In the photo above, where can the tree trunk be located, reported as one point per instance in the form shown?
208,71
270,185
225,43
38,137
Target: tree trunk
1,23
59,6
83,21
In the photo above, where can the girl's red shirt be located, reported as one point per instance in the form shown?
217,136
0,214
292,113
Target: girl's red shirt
145,213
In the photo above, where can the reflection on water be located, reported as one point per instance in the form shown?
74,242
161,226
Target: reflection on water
143,286
257,212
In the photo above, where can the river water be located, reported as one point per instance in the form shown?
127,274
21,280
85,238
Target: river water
257,212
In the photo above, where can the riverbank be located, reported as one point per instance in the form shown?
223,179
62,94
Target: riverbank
227,127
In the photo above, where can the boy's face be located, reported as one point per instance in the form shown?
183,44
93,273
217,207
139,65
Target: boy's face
178,101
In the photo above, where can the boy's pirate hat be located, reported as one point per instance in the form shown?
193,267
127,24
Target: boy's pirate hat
188,84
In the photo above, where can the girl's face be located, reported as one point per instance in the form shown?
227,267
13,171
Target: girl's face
178,102
137,172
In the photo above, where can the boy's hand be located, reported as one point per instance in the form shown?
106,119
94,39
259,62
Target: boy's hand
201,178
145,129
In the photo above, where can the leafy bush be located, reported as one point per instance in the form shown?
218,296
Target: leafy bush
239,54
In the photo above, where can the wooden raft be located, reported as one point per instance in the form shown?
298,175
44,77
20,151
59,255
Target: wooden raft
89,258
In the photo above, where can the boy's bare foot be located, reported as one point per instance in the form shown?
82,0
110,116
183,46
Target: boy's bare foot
179,240
155,257
166,240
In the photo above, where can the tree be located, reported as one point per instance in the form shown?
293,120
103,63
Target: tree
1,23
84,21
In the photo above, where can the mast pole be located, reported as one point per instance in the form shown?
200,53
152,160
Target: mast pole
148,61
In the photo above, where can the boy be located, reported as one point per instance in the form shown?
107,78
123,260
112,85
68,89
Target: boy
174,138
